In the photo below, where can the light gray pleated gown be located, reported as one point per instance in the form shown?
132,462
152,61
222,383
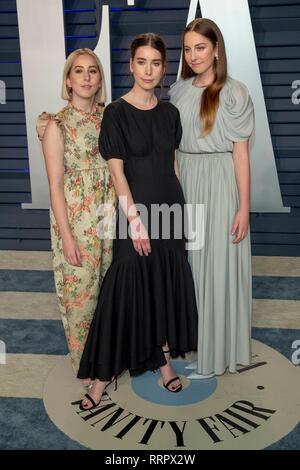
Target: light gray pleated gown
221,269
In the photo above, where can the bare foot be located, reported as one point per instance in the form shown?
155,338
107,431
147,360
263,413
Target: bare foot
95,393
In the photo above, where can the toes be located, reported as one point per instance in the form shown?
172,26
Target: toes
175,386
86,404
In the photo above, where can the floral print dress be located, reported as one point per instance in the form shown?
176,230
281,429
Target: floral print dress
91,201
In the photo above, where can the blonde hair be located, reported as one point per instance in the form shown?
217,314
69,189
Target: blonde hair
210,97
66,94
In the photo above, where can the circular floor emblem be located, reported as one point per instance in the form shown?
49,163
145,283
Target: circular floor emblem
149,386
248,410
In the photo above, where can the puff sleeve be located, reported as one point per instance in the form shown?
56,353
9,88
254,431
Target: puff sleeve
42,122
111,140
238,111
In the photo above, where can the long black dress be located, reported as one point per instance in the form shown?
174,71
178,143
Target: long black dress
144,300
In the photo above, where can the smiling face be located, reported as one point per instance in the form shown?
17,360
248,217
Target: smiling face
199,52
147,67
84,78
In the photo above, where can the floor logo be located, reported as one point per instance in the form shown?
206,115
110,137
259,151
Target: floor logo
247,410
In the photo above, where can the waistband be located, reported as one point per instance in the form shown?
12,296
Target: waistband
69,169
211,154
151,178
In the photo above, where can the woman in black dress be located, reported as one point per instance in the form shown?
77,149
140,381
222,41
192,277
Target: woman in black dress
146,311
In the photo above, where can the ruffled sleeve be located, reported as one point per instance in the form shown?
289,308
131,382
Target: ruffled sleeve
42,122
111,140
238,111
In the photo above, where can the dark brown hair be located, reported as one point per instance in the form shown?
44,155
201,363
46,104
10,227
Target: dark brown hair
210,97
152,40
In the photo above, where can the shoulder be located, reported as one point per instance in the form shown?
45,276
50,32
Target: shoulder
238,110
180,84
235,86
169,108
62,113
50,121
113,110
114,107
60,117
179,88
235,94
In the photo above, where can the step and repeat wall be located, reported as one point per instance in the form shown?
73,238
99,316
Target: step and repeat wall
266,57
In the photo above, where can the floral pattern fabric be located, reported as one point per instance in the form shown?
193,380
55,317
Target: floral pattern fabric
88,189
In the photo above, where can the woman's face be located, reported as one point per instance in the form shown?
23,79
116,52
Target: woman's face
147,67
199,52
84,78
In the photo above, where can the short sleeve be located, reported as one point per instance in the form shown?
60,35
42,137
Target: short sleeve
111,140
178,130
42,122
238,111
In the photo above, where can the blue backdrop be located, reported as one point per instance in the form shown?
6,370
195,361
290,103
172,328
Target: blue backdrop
276,25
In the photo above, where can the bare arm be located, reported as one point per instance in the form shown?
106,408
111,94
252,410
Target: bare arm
53,148
140,236
176,168
242,173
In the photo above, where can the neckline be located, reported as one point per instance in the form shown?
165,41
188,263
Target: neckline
139,109
85,113
195,86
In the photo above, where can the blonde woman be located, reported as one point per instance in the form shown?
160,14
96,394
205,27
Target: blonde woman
79,182
217,119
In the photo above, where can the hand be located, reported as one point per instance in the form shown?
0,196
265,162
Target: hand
140,237
240,225
71,252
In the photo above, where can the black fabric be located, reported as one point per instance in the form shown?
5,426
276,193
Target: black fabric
144,301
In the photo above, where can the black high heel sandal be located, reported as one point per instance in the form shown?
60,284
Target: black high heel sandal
94,404
179,388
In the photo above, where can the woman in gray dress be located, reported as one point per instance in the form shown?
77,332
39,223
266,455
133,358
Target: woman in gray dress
217,118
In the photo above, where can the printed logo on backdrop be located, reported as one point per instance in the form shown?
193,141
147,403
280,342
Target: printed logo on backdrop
296,93
2,92
2,352
296,354
250,409
42,71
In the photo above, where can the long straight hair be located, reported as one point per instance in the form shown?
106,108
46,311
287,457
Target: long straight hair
211,95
